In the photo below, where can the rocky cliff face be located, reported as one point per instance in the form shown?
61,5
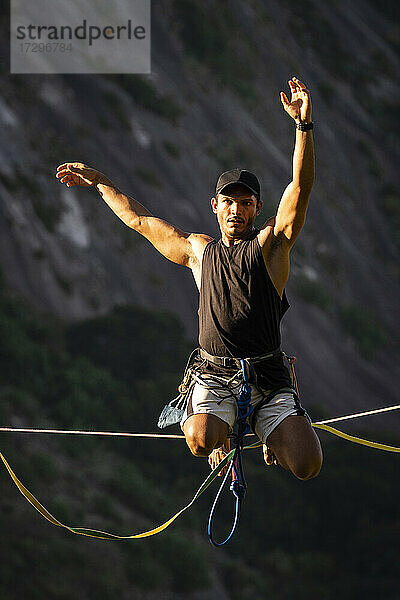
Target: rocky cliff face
212,103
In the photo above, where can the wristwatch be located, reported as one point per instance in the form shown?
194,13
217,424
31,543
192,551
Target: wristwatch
305,126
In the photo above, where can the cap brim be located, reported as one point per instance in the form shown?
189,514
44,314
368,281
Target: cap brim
220,190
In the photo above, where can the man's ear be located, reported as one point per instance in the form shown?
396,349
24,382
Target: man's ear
259,207
214,204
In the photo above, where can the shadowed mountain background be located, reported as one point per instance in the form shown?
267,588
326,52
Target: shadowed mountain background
96,325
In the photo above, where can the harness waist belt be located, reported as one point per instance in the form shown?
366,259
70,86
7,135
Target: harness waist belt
229,361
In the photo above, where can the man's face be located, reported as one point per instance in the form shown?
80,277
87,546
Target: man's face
236,212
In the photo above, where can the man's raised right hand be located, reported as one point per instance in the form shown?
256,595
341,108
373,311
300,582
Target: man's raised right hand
79,174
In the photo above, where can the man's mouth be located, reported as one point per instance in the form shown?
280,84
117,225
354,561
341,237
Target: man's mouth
235,221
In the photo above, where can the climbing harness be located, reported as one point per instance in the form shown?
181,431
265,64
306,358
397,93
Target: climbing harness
232,461
195,372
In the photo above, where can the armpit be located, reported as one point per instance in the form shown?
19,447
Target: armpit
277,241
270,242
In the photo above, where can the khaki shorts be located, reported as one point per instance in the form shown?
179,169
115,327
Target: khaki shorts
211,395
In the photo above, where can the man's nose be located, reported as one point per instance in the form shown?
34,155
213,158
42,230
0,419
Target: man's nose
235,209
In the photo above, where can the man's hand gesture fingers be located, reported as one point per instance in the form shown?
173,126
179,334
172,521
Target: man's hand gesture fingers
299,84
299,107
78,174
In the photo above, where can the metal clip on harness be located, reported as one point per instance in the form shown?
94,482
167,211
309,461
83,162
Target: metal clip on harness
238,486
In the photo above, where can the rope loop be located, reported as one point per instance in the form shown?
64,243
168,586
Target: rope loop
238,486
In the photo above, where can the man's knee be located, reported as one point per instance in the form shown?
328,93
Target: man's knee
305,470
201,443
203,433
297,447
199,446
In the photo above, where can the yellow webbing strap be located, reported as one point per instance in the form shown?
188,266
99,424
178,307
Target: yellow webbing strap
356,440
104,535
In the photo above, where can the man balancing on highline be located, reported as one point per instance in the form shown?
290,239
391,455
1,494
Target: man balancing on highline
241,279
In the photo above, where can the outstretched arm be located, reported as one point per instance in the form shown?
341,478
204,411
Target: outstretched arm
292,208
171,242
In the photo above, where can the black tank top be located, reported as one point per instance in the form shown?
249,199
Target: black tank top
240,309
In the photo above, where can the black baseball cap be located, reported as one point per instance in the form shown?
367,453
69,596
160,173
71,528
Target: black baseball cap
241,176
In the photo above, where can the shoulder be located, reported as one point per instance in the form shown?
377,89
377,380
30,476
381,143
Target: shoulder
198,243
266,231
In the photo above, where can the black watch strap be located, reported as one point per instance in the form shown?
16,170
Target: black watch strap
305,126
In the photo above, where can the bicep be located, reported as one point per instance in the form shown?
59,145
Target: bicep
170,241
291,213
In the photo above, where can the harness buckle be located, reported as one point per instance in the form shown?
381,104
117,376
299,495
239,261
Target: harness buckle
227,361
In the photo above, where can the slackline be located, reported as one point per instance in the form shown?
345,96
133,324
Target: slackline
104,535
169,436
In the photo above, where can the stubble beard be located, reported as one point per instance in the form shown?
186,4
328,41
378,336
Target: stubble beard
237,234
